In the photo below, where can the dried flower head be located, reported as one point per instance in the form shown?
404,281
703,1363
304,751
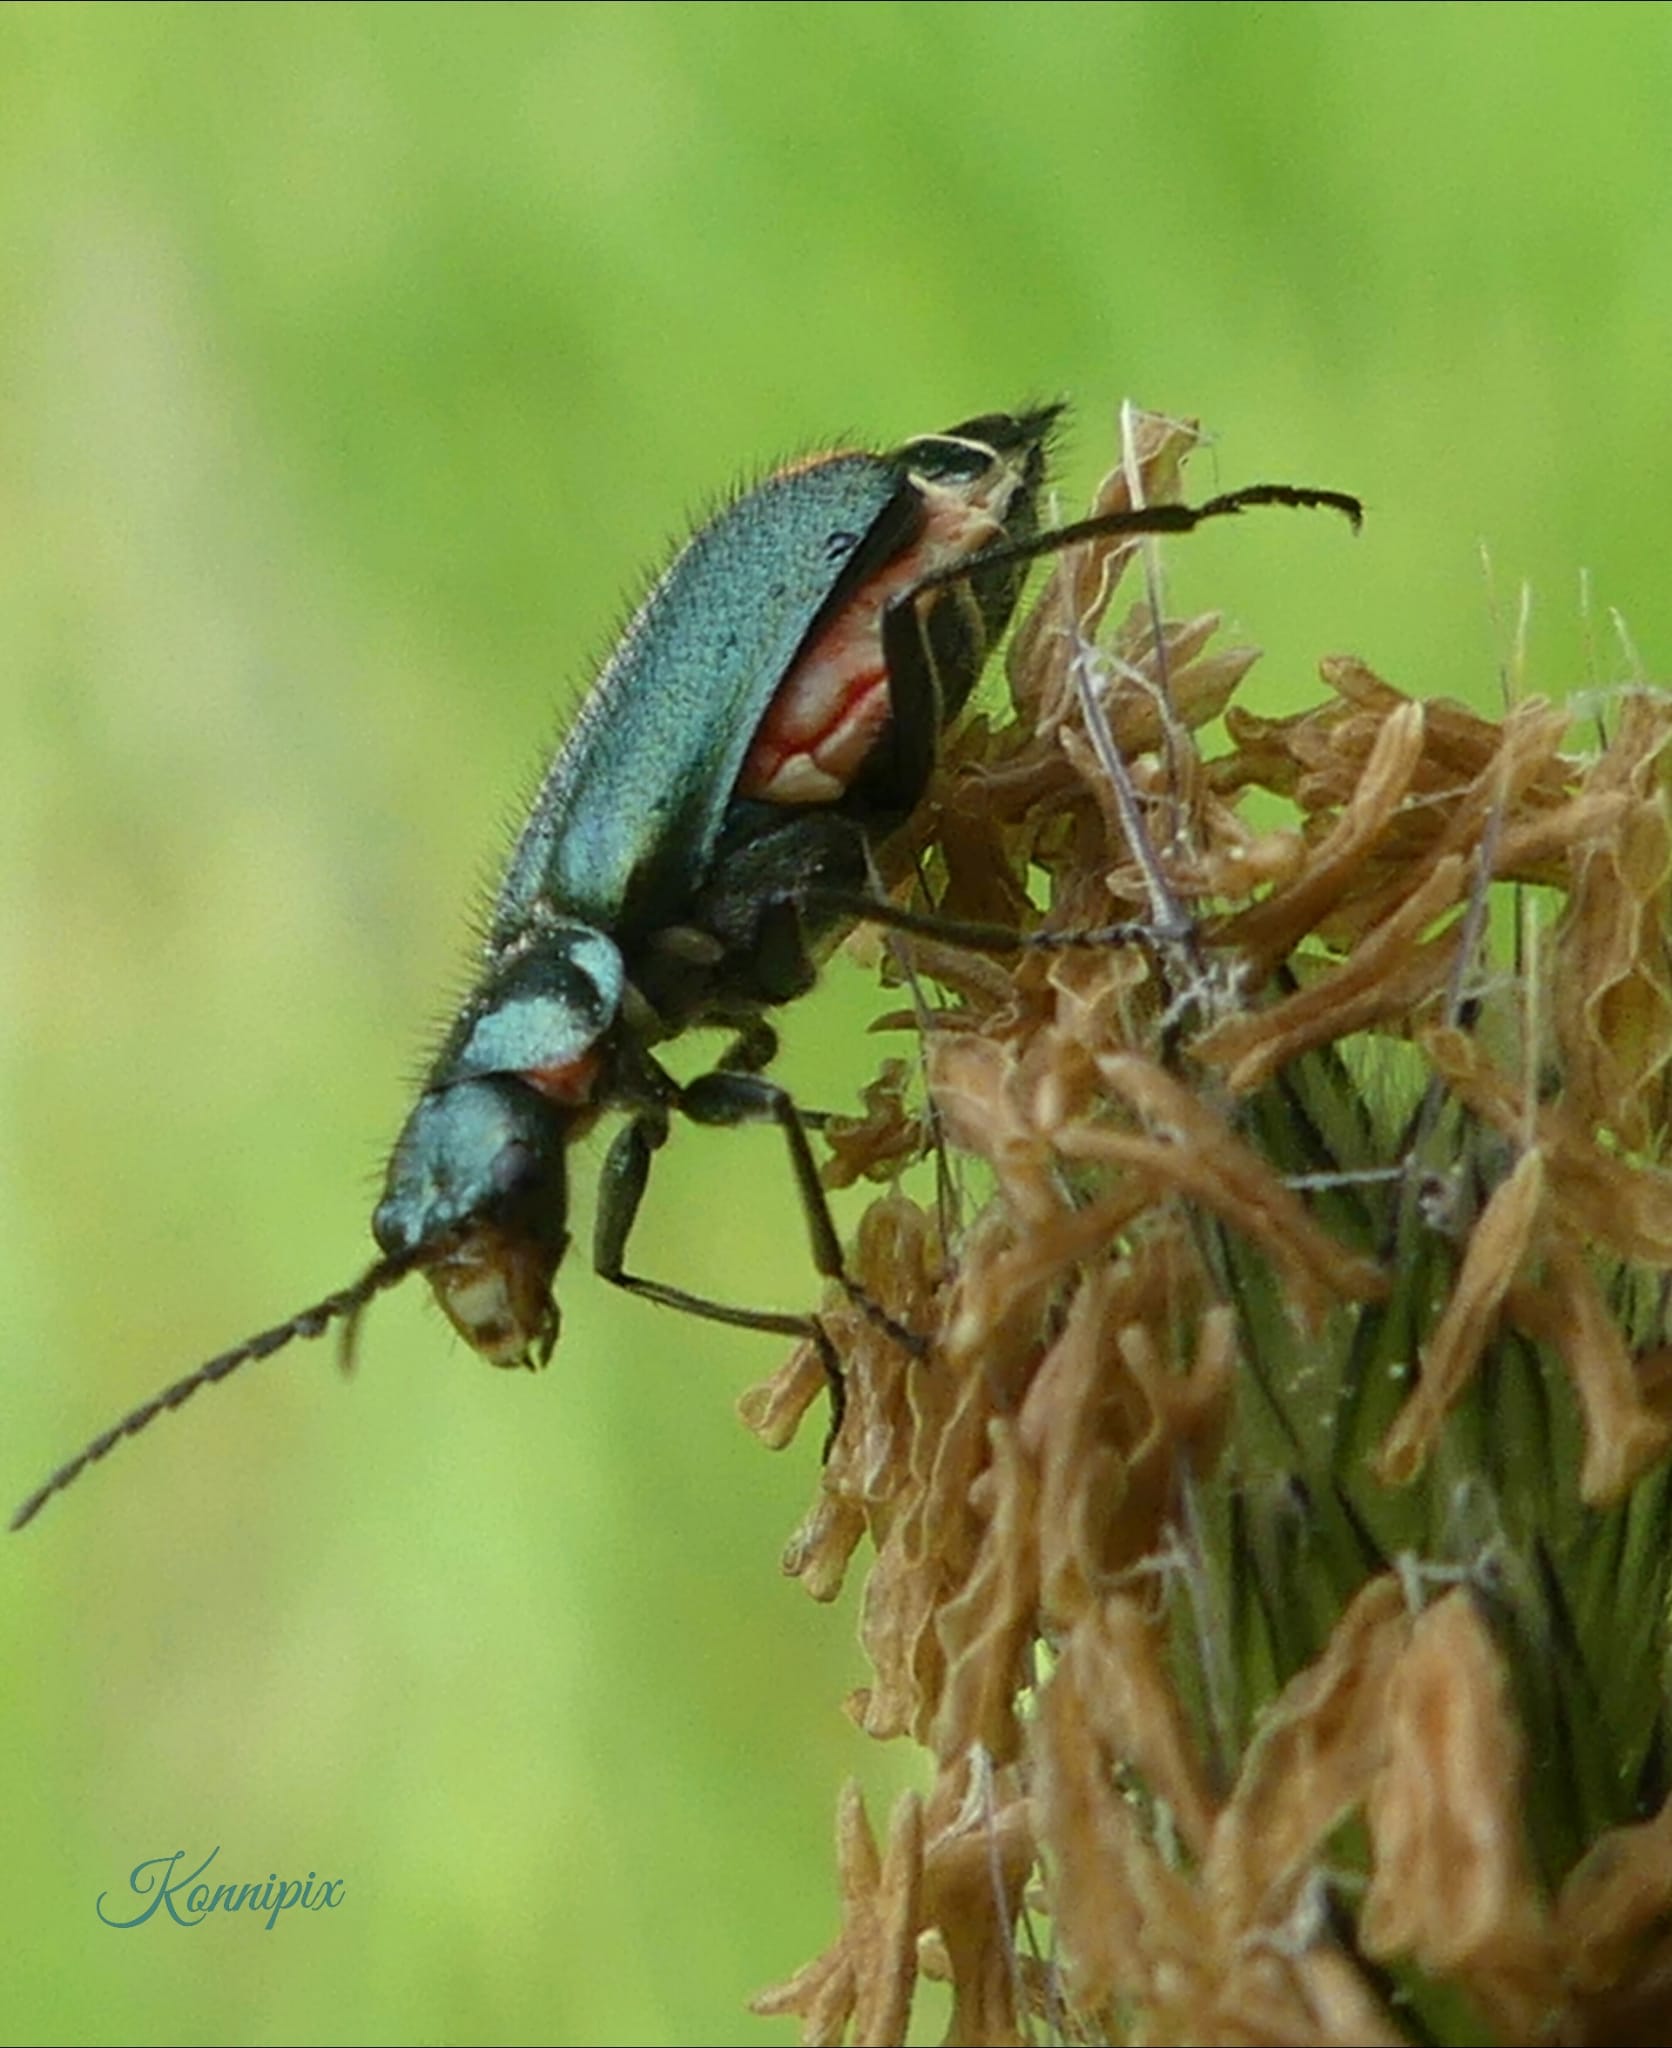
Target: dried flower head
1271,1552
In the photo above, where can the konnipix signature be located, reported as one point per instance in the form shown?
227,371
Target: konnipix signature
189,1900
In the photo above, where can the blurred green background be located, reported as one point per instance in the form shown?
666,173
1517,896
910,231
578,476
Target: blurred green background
355,364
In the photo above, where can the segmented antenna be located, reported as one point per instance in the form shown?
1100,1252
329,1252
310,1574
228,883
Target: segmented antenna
348,1302
1165,518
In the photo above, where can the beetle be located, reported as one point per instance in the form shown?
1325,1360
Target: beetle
770,715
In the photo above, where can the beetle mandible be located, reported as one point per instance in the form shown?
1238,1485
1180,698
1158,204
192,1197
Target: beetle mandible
771,713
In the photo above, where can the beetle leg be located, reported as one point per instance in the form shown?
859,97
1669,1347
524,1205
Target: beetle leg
728,1099
621,1187
754,1047
896,772
936,638
753,1050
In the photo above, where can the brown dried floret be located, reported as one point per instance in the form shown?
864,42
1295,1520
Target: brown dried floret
1600,1198
1312,1761
1271,930
1626,1433
1613,1933
1109,1431
1501,1243
1385,979
861,1987
1452,1883
981,1849
898,1259
1196,1155
876,1145
1613,981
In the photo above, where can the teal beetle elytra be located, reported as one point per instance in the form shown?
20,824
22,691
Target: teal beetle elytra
771,714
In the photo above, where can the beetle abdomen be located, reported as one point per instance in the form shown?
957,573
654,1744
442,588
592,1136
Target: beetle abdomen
832,706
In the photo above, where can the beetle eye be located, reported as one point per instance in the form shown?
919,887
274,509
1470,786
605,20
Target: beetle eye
945,458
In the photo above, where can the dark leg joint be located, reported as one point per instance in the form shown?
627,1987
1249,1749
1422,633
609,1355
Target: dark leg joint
873,1311
754,1047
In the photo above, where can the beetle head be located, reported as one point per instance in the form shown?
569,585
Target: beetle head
477,1193
1005,452
980,483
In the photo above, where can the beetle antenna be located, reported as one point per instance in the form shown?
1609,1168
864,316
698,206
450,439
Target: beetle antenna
348,1304
1146,519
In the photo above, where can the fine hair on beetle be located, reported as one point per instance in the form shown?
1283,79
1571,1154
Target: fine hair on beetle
769,720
